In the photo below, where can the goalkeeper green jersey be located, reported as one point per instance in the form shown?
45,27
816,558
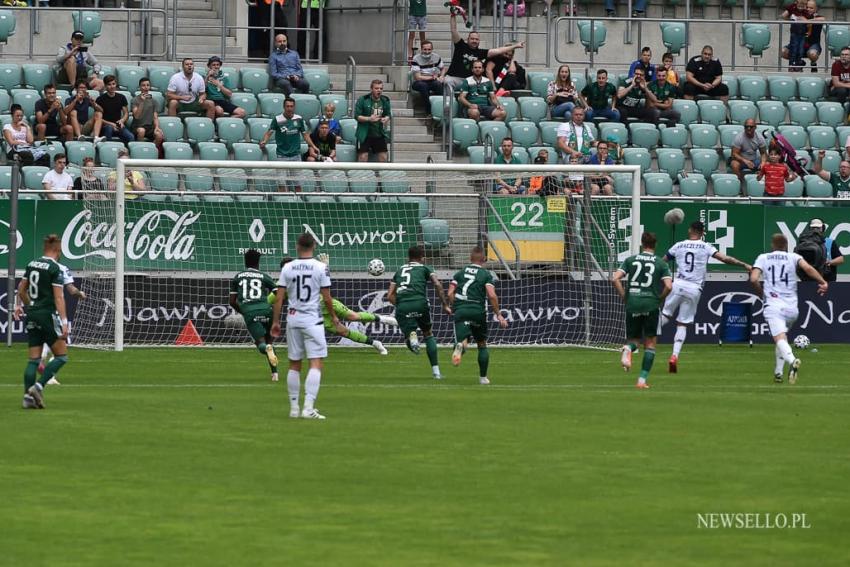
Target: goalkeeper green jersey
644,273
43,274
471,287
411,281
252,288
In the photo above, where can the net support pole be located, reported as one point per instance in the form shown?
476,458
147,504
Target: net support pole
11,297
119,256
587,304
635,244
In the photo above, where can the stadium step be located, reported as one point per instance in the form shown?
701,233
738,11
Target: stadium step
418,156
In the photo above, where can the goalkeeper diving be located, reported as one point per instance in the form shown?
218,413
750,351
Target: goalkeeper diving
346,314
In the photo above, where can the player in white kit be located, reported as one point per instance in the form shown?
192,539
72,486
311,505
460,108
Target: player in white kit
778,270
304,282
692,256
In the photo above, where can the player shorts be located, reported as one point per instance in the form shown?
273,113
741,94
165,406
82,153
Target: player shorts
780,317
641,325
259,324
306,342
43,329
376,144
417,23
470,323
342,313
412,315
683,301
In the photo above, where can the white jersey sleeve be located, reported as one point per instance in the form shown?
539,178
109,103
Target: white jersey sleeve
304,279
779,274
692,258
65,275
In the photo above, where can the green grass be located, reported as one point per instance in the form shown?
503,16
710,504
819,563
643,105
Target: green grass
187,457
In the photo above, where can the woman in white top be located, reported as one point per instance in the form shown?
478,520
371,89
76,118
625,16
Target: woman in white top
18,133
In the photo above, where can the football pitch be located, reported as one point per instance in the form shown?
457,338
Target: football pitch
188,457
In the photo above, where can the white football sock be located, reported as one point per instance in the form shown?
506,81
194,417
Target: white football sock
780,362
785,350
435,369
679,339
45,351
293,384
664,319
311,387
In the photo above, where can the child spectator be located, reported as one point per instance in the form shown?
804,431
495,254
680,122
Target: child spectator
775,174
333,124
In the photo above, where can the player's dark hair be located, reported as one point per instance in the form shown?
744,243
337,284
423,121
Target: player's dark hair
415,253
52,241
306,242
252,258
774,150
286,260
477,252
648,240
698,227
779,242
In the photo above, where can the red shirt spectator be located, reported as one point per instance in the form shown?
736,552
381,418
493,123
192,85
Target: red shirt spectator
841,71
774,178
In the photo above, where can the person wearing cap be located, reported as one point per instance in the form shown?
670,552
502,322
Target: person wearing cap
220,89
324,141
73,62
134,181
834,257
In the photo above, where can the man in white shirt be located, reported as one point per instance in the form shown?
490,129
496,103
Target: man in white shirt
56,182
304,282
574,138
779,289
187,92
692,257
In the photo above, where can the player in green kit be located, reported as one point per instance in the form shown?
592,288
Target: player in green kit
469,292
648,282
344,313
248,291
408,292
41,291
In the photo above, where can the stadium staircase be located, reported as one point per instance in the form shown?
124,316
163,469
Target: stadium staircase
198,28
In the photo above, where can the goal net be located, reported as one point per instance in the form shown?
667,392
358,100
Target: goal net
157,265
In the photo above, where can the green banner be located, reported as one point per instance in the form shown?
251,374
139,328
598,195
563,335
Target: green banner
213,237
27,247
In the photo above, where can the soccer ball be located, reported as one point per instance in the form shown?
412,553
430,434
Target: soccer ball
376,267
802,341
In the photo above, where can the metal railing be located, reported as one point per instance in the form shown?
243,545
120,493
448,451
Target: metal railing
448,127
350,84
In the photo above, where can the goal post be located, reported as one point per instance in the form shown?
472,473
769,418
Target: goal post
158,262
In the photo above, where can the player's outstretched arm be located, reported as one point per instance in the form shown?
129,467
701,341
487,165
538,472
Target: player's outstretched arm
755,281
391,294
438,287
234,303
617,280
815,275
278,305
329,303
451,294
494,303
732,261
74,291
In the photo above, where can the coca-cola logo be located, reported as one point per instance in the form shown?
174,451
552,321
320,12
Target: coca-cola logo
157,235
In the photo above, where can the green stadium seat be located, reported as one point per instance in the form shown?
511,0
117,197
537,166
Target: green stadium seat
511,108
796,135
232,73
753,187
658,184
436,104
198,180
333,181
804,158
8,23
52,149
534,150
521,154
497,130
271,104
245,101
128,77
257,128
549,132
731,82
644,135
674,36
420,202
592,36
837,38
89,23
232,180
712,111
802,113
817,187
524,133
107,153
476,154
771,112
794,188
752,87
27,99
704,161
337,100
637,156
726,185
320,81
5,177
164,179
464,132
199,129
670,161
247,152
346,153
688,110
533,108
394,182
435,233
348,130
36,75
703,135
782,88
172,128
212,151
177,150
614,131
32,176
831,113
255,80
10,76
231,130
622,184
306,105
674,137
843,133
76,151
140,150
538,82
831,161
810,88
756,38
822,137
693,185
741,110
362,181
728,132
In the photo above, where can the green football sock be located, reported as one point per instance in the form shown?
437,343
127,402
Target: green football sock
483,361
52,368
431,349
633,347
367,317
261,347
646,365
359,337
30,373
